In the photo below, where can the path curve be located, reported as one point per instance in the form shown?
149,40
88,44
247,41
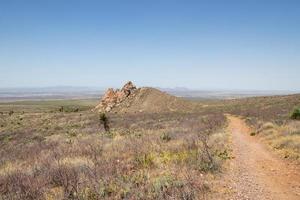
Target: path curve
255,172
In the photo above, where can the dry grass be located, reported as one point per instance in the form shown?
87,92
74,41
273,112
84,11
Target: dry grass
274,109
270,118
47,154
285,139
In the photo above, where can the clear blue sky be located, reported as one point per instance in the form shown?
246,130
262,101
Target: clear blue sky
245,44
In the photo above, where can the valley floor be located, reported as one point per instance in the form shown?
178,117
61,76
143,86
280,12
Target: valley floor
256,173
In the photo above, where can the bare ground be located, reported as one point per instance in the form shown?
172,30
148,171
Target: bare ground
255,172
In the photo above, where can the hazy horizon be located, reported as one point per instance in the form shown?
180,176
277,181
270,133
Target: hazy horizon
200,45
71,92
103,88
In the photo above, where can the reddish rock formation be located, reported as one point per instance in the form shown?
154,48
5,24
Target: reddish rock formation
113,98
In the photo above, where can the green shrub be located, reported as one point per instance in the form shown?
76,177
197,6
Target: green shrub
252,134
68,109
224,155
295,113
170,187
72,133
163,183
105,121
61,109
6,138
145,160
165,137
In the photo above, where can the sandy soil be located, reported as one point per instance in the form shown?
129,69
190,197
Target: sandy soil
255,172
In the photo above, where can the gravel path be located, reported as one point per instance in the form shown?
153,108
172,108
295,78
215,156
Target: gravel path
255,172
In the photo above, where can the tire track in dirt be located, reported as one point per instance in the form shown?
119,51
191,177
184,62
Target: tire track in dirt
255,172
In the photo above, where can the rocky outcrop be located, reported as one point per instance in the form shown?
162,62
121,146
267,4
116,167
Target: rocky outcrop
130,99
112,98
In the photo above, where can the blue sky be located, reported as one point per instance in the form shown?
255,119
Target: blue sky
247,44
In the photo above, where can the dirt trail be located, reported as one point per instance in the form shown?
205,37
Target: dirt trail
255,172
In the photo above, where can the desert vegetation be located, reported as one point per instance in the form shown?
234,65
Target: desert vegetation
274,119
48,153
64,150
295,114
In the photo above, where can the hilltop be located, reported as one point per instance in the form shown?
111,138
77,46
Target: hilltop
131,99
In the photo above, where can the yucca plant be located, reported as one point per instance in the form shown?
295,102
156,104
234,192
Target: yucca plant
295,113
104,120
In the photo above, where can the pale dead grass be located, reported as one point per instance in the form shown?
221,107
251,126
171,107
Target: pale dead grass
53,155
285,139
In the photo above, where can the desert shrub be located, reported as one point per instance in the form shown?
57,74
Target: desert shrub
163,186
295,114
72,133
171,186
89,194
145,160
68,178
61,109
11,112
104,121
5,138
19,185
206,155
268,125
252,134
62,175
37,138
165,137
68,109
224,154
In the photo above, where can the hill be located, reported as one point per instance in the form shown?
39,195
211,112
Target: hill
146,100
